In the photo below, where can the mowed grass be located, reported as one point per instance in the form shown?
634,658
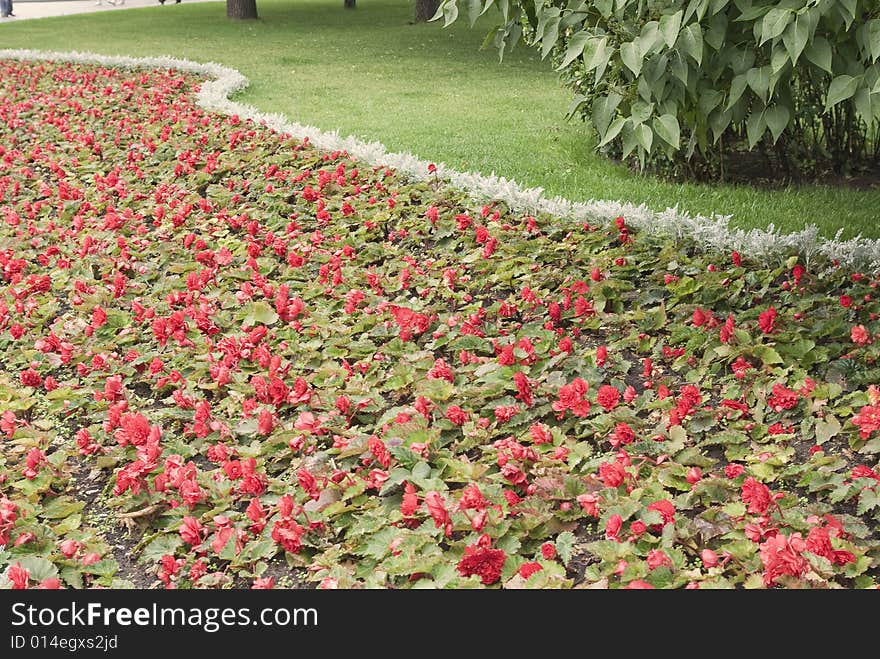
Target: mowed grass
429,90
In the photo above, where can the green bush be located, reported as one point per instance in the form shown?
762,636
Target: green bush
694,83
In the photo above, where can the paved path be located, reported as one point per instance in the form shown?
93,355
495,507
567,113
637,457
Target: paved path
25,9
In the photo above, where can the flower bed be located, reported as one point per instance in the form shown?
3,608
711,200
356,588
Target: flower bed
233,359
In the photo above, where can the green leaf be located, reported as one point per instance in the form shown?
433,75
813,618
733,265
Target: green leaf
61,507
644,136
756,124
667,129
551,35
565,546
603,112
872,31
450,13
796,36
613,131
261,313
841,88
40,568
868,500
575,48
777,117
758,80
631,55
158,547
596,56
692,42
774,23
737,87
864,105
819,53
826,429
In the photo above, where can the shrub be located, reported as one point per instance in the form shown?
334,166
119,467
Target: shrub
692,82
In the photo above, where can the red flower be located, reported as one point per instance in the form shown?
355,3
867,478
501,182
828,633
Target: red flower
868,420
623,434
638,584
410,503
480,559
288,534
30,378
846,301
709,557
134,429
733,470
589,503
819,542
571,397
523,388
528,569
766,320
548,551
612,527
756,496
265,422
612,474
665,508
657,558
472,498
782,398
726,332
608,397
456,415
441,371
781,556
859,335
540,433
19,576
192,531
437,508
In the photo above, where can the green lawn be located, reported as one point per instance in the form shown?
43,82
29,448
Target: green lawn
427,90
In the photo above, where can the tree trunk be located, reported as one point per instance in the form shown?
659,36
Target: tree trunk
350,4
425,10
241,9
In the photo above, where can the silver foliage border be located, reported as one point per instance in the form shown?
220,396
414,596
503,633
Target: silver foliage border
710,233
